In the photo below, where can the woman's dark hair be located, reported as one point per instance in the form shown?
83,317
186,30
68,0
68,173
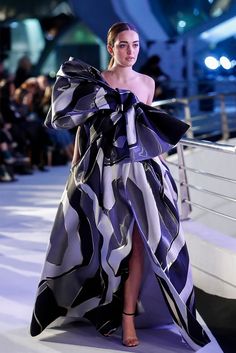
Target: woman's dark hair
113,32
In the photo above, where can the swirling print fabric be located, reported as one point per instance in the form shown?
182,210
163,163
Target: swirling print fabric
119,181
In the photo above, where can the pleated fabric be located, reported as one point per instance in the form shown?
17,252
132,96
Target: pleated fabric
118,181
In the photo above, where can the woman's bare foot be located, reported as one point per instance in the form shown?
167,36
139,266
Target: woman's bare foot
129,337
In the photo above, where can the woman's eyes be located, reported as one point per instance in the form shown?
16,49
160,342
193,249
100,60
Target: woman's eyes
136,45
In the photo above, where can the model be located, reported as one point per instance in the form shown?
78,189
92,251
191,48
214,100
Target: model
118,219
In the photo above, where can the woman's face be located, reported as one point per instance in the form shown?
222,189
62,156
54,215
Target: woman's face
126,48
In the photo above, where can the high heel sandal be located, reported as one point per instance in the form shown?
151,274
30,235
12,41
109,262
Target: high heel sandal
130,341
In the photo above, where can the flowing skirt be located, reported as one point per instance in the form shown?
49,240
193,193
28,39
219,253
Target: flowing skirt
87,259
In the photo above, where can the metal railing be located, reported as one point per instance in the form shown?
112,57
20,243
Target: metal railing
184,186
219,120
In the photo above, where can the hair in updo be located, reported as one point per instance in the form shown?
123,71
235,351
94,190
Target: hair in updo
113,32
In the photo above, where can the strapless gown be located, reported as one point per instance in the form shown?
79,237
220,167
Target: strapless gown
119,180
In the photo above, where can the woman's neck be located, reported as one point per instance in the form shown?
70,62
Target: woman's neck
122,74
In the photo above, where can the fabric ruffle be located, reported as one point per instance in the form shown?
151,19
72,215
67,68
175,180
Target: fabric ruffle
81,96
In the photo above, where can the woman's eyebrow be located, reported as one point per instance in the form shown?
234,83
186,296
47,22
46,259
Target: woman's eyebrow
125,41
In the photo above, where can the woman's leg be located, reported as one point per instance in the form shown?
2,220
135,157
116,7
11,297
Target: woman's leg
131,289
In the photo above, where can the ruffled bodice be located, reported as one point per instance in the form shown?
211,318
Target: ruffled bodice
134,129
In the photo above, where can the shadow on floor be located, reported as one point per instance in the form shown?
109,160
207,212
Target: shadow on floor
220,316
84,335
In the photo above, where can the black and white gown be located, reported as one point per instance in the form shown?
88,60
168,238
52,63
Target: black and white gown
119,180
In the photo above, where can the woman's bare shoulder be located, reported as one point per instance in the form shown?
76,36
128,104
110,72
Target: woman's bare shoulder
149,85
146,79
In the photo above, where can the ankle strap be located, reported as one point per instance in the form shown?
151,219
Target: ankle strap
129,314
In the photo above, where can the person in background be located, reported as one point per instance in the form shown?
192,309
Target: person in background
23,71
7,160
153,69
61,141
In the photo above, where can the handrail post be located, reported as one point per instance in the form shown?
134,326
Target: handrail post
187,118
184,190
224,118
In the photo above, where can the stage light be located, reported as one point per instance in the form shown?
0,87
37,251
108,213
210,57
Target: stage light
225,63
211,63
182,24
233,63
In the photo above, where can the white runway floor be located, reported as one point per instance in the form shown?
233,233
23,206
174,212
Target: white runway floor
27,210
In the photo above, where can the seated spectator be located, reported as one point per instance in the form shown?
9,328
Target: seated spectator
20,162
6,159
23,71
28,120
62,141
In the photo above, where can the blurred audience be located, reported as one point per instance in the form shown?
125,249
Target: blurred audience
26,145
